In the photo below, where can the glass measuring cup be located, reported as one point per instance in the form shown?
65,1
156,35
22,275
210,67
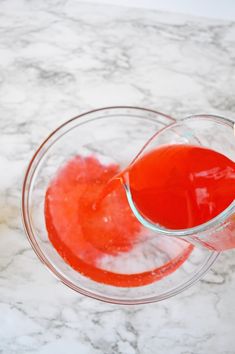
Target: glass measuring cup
216,133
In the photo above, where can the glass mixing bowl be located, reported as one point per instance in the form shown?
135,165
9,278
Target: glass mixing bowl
113,134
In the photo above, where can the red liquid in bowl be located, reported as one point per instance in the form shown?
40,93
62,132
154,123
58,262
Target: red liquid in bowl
84,234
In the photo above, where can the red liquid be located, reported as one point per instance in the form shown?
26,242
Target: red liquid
177,186
84,233
181,186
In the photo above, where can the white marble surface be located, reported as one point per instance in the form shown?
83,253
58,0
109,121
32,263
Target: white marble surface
57,59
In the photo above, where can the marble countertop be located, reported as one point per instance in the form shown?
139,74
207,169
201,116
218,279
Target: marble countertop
59,58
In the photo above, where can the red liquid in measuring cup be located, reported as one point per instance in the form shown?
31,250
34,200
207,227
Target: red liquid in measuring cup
181,186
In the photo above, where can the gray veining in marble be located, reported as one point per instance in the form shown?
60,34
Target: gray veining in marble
59,58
